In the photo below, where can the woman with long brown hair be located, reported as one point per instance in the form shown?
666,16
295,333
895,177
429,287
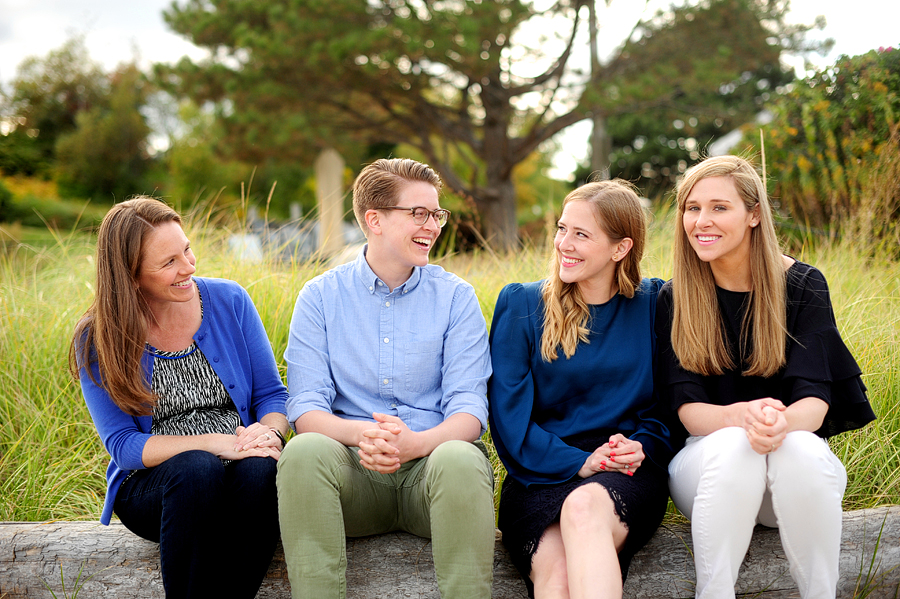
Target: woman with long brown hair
181,383
752,360
572,402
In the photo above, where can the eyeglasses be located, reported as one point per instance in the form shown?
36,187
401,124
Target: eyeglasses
420,214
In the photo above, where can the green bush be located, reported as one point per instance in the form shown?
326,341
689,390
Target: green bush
833,148
34,211
6,198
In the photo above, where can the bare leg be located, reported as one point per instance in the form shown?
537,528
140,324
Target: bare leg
548,566
592,535
579,557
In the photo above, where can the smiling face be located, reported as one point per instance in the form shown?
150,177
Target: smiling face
396,242
718,224
586,254
167,264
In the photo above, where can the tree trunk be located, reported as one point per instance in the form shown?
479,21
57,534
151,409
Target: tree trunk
601,144
117,564
497,210
601,148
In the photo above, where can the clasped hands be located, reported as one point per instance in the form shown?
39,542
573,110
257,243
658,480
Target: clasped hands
256,440
765,424
387,445
619,454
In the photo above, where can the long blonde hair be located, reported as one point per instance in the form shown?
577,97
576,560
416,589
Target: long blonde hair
619,214
698,331
113,331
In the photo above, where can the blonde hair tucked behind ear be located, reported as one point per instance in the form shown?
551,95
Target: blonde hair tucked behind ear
698,334
619,214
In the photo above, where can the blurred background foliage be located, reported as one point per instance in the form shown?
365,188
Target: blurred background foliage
833,149
243,128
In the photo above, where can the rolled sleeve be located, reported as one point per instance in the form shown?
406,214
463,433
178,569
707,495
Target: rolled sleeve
310,384
467,362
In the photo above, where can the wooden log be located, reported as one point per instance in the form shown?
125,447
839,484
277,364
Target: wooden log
115,563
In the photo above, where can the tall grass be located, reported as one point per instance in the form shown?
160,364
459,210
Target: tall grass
52,464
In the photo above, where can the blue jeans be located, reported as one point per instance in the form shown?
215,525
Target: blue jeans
208,519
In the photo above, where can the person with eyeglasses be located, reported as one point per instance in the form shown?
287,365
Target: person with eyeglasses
387,371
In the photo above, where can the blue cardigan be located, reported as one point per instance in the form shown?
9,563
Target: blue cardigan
606,387
234,341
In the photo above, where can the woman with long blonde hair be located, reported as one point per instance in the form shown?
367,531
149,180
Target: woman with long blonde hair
752,360
572,402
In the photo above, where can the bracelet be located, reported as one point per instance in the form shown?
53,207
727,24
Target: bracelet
280,436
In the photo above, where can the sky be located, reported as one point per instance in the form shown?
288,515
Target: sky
117,31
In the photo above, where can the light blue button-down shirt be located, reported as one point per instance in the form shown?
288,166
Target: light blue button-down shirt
419,353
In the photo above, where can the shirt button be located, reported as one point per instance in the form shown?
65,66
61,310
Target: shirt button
387,304
393,405
379,283
386,381
386,340
405,290
371,288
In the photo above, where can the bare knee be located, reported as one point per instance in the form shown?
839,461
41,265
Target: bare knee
588,503
590,507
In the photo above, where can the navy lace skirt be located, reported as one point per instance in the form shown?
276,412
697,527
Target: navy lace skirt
525,513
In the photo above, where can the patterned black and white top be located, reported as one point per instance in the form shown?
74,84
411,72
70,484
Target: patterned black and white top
192,399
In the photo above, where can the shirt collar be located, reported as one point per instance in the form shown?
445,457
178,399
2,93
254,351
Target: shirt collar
371,280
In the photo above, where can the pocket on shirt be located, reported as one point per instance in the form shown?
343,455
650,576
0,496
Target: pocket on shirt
423,365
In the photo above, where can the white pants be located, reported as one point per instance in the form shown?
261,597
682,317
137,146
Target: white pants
725,488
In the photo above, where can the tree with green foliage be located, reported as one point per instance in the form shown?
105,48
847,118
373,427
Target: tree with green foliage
105,155
483,81
47,95
833,149
690,49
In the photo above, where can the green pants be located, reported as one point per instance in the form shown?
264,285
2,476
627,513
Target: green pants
325,495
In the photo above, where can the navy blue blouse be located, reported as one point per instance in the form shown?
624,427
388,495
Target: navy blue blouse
606,387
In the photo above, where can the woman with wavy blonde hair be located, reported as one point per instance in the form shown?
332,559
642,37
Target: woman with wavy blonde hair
751,359
572,402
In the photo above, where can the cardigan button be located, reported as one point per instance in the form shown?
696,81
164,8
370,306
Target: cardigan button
231,386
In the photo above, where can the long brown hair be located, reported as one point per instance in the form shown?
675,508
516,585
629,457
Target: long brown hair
113,331
619,214
698,333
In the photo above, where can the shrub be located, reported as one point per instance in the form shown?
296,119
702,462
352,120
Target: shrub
6,198
833,148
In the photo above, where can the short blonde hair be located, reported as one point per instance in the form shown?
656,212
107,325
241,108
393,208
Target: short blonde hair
379,185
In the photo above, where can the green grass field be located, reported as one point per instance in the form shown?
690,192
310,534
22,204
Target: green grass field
52,464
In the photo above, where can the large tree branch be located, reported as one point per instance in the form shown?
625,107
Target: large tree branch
555,72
